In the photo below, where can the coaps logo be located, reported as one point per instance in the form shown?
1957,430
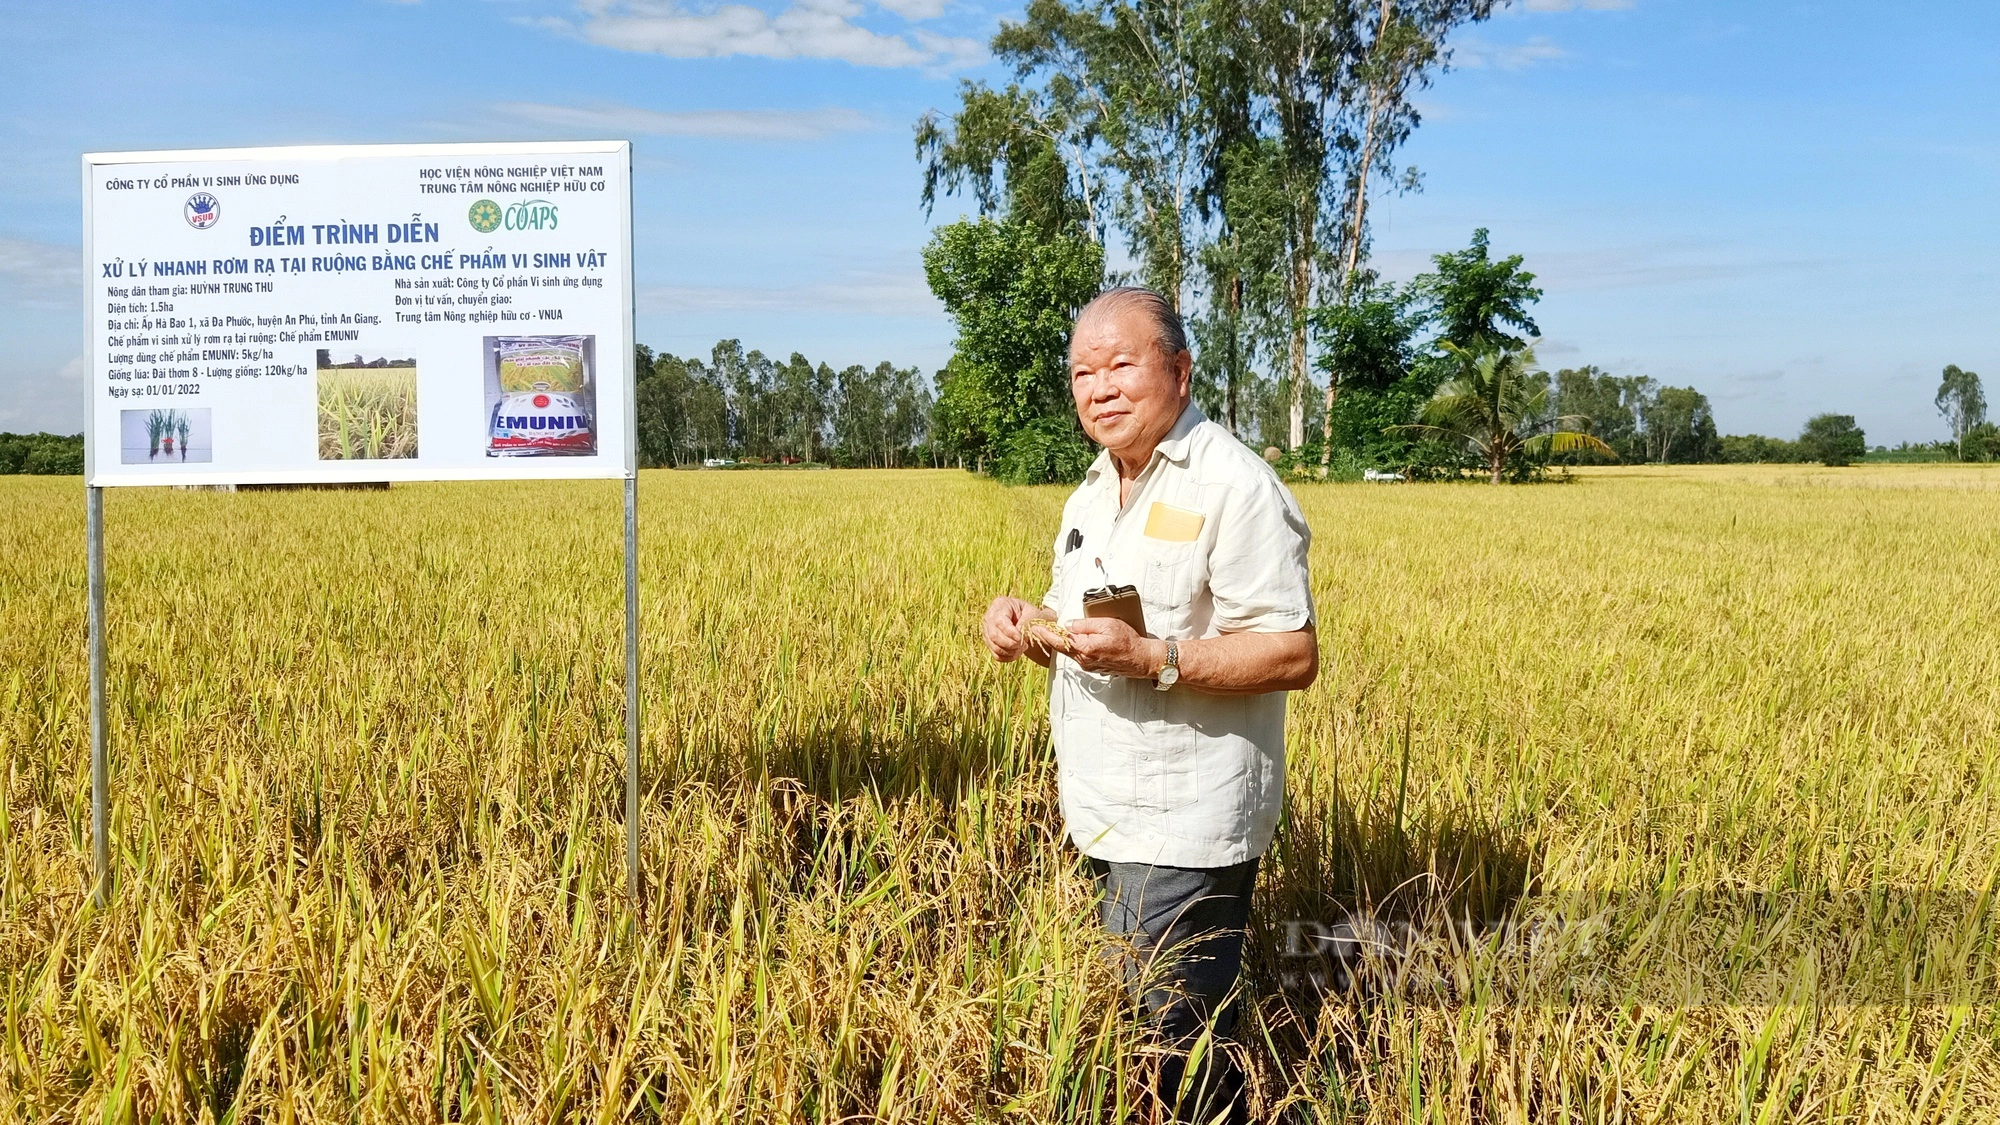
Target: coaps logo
531,214
202,210
487,216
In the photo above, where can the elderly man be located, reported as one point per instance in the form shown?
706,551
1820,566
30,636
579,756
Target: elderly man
1171,742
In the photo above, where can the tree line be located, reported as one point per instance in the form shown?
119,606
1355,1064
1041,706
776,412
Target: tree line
42,454
745,406
742,405
1642,421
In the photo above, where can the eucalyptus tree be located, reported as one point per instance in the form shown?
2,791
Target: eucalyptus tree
1680,426
1962,402
1299,55
1024,153
1113,90
1241,275
1613,406
1148,59
1404,48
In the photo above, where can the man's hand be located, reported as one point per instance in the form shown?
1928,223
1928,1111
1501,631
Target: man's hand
1230,664
1006,629
1110,647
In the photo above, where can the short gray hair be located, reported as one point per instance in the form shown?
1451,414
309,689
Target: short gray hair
1167,326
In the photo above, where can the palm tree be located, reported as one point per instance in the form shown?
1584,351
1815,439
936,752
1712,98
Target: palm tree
1491,404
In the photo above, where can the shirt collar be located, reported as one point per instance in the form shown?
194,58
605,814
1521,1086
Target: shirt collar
1174,447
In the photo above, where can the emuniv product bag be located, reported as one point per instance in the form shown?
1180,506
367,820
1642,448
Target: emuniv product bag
544,405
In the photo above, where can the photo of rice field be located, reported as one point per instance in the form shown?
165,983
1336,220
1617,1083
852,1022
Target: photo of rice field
1670,793
367,410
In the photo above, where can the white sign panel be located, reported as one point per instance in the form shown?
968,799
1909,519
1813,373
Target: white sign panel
359,313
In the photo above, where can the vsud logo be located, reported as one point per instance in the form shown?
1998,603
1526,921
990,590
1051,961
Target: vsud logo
484,216
202,210
531,214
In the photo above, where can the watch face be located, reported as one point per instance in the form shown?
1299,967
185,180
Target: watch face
1169,674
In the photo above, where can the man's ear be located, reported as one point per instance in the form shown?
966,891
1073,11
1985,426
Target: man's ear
1184,371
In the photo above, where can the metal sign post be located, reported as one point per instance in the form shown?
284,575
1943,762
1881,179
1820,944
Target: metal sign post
632,881
100,780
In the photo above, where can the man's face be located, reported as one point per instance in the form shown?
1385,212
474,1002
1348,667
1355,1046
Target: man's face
1128,392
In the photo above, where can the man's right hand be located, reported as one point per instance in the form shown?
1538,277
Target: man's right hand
1005,628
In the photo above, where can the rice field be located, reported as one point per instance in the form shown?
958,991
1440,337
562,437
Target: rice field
367,413
1671,790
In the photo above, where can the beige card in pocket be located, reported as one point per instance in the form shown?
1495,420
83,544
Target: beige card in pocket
1174,525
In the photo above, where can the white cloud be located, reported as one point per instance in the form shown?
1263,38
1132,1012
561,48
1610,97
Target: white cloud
862,294
915,9
40,274
952,52
808,29
726,124
1477,53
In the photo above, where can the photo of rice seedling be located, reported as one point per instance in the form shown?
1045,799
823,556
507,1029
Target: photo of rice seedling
164,437
367,408
1675,789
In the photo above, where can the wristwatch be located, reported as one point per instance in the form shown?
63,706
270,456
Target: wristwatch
1171,670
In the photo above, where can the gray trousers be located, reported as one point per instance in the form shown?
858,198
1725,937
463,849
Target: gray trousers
1186,926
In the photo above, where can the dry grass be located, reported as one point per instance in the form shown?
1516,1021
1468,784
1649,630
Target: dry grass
367,413
1706,758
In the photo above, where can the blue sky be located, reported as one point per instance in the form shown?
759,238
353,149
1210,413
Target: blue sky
1789,206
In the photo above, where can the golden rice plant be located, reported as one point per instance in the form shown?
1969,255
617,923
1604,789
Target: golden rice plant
367,413
1671,790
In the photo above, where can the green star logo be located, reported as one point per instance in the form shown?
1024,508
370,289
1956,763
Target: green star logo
484,216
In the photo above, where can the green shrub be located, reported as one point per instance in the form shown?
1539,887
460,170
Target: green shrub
42,454
1048,450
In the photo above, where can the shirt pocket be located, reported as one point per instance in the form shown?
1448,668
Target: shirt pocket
1152,763
1172,579
1063,579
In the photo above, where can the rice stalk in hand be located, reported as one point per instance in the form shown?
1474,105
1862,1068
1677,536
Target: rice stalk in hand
1057,640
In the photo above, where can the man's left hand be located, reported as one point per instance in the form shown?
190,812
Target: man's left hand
1110,647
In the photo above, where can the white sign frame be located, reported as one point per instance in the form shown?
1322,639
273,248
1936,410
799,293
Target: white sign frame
614,360
360,471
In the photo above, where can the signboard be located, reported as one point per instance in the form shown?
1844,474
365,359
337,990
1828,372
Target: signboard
359,313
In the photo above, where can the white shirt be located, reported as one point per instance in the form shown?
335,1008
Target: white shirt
1216,544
